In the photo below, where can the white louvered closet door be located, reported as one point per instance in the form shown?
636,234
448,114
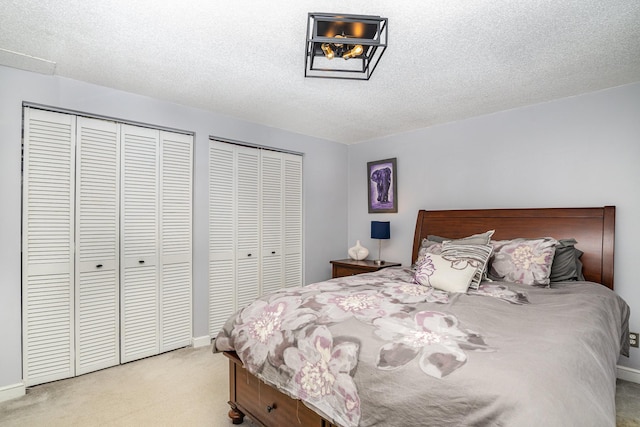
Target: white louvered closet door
247,225
292,220
271,189
175,234
47,253
255,226
222,220
139,308
97,294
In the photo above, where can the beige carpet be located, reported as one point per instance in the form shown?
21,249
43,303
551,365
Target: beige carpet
627,404
186,387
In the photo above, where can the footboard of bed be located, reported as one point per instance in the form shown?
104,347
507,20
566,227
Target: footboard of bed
264,404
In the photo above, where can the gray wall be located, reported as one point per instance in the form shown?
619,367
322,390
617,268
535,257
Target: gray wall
579,151
325,196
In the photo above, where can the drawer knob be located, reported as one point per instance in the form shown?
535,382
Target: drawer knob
271,407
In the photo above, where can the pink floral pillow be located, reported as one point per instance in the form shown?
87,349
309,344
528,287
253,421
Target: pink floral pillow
526,261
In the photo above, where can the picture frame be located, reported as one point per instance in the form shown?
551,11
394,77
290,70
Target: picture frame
382,186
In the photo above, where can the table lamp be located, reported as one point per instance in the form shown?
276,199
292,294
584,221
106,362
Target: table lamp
380,230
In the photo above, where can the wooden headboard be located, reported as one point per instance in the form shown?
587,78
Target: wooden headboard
593,228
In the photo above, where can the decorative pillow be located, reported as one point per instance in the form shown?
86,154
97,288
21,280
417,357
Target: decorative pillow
433,244
526,261
474,254
566,262
475,239
445,274
428,247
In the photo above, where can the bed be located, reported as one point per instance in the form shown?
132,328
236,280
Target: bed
389,349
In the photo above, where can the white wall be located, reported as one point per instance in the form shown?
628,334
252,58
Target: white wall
325,196
580,151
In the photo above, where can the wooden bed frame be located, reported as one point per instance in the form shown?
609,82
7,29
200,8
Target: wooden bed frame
593,228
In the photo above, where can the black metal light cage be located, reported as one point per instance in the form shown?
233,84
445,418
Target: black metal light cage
369,31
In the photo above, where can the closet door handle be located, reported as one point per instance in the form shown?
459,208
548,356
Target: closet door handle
248,254
273,252
99,266
141,261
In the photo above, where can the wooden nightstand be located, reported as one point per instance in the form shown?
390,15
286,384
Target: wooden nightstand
349,267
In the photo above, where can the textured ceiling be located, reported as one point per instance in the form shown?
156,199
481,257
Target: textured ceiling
446,60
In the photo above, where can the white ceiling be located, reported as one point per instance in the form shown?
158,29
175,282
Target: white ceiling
446,60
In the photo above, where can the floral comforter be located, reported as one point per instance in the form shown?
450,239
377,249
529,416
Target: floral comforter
380,349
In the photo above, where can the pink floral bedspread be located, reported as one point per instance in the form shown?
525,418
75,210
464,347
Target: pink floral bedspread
308,341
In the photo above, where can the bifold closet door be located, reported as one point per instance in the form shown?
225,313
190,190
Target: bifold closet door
255,226
176,162
156,275
234,230
139,242
97,294
222,226
271,206
48,246
247,189
281,220
292,217
107,244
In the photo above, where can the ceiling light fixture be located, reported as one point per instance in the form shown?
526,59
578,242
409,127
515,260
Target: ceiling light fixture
344,46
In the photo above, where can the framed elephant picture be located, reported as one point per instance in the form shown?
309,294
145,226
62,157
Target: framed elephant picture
382,186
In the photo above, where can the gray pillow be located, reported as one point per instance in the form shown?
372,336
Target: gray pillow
476,239
566,262
579,264
436,239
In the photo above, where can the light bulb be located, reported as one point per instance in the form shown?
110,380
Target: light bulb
328,52
355,51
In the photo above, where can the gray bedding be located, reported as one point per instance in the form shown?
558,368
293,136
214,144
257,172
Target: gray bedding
380,350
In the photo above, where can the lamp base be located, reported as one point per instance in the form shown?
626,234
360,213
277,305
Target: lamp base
378,262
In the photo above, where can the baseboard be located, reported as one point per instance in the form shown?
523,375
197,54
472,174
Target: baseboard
12,391
201,341
629,374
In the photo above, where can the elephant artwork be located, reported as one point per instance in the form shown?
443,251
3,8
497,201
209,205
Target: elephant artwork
381,176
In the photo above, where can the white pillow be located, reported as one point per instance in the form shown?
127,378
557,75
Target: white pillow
476,255
445,274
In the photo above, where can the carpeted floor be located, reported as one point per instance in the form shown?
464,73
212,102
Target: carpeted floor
627,404
186,387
